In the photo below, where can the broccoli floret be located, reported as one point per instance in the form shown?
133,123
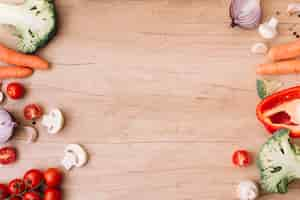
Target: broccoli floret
279,162
34,21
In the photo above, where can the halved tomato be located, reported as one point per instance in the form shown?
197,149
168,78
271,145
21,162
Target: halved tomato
8,155
241,158
32,112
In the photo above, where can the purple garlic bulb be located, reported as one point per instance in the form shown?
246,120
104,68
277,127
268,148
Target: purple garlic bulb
7,126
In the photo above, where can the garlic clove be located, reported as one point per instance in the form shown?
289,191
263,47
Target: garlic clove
247,190
268,30
54,121
32,134
273,23
2,97
259,48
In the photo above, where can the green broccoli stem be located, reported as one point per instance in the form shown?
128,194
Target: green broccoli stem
11,14
297,166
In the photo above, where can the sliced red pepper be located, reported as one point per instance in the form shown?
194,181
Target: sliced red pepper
280,110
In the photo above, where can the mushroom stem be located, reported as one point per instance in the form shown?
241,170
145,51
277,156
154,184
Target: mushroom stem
68,161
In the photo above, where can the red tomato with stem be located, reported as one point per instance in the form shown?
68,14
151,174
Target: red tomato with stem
53,177
4,193
32,112
32,196
15,90
33,178
16,186
52,194
8,155
241,158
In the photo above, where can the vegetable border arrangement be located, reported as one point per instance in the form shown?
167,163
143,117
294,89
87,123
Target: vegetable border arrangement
34,24
278,160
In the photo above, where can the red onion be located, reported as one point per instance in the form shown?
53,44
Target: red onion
245,13
7,126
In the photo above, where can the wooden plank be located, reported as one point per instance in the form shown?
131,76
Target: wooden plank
160,92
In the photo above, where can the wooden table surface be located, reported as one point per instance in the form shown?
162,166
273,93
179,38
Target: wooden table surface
160,92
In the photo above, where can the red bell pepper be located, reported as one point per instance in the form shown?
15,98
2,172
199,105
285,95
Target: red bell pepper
281,110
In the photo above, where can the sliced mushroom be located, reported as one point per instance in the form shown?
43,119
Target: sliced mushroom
54,121
32,133
75,156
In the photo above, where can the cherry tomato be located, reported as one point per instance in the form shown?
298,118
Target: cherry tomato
15,198
52,194
33,178
16,186
4,193
8,155
241,158
32,111
15,90
32,196
53,177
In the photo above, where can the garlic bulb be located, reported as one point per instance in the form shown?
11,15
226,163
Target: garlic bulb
247,190
268,30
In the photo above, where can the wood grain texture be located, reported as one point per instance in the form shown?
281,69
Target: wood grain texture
160,92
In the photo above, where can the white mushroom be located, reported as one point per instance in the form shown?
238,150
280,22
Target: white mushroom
32,133
268,30
259,48
247,190
54,121
75,156
293,8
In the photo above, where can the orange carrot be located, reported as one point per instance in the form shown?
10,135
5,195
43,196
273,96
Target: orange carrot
11,56
285,51
14,72
282,67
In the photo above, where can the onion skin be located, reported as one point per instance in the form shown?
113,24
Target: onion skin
247,20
